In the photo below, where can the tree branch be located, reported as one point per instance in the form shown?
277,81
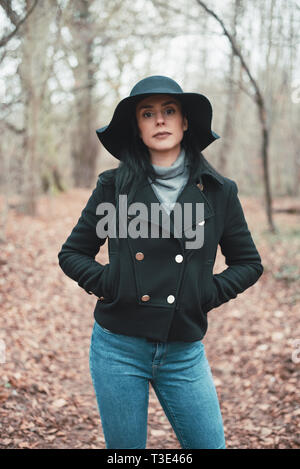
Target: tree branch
7,7
13,128
12,15
258,98
236,50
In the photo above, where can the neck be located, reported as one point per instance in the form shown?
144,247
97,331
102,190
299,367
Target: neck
165,158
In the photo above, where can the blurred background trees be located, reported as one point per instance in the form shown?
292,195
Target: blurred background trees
65,64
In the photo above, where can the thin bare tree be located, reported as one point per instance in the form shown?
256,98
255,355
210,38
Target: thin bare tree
232,94
258,98
33,74
14,18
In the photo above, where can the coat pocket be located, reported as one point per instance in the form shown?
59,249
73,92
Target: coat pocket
111,280
209,290
212,301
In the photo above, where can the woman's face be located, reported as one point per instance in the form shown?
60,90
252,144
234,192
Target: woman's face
161,123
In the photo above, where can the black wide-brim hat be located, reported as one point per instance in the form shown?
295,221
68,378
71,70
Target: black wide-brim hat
197,107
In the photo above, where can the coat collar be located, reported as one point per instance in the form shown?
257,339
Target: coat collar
197,177
192,193
209,171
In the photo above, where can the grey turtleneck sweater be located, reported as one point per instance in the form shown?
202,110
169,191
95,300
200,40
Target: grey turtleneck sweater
170,181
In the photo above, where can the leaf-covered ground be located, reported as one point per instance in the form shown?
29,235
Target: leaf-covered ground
46,395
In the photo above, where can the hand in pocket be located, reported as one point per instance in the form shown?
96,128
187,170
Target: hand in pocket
106,285
210,298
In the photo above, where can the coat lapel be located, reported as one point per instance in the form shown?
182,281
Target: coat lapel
192,194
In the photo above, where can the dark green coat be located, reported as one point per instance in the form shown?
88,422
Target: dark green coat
155,274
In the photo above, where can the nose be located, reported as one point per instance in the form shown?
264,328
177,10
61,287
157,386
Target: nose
160,118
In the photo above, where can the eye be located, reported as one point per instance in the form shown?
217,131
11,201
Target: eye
147,114
170,111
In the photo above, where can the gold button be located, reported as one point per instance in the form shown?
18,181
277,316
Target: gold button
145,298
139,256
200,186
101,298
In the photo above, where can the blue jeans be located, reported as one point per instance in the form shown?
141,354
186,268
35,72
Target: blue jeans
121,367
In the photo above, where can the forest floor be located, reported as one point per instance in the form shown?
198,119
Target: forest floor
46,395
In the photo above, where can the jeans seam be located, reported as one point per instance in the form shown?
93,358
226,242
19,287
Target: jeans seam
165,354
92,371
92,367
172,416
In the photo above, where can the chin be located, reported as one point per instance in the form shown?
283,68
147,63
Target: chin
162,150
164,146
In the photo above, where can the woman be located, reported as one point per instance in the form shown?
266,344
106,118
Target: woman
156,290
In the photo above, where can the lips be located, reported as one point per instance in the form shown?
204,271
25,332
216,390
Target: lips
162,134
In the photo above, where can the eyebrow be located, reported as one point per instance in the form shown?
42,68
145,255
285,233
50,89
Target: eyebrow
149,106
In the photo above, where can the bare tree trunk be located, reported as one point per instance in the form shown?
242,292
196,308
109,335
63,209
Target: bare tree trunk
33,73
7,153
228,129
4,206
84,143
295,138
31,114
262,113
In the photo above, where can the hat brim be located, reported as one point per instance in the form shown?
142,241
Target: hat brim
114,136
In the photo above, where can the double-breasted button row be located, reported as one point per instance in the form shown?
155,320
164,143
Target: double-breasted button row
170,299
140,256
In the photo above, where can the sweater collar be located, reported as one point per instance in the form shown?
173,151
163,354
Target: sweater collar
205,170
176,168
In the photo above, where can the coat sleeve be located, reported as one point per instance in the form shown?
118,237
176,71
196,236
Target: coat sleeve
241,256
77,254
